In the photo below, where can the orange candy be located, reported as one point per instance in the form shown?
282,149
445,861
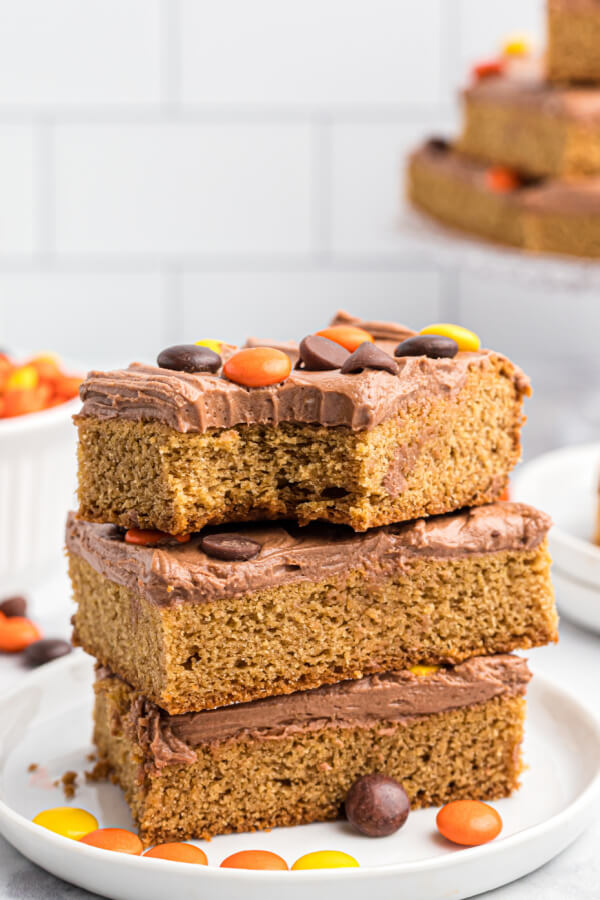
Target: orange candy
17,633
501,180
488,68
185,853
347,336
20,402
67,386
146,537
505,495
469,822
254,859
37,385
258,367
46,365
119,840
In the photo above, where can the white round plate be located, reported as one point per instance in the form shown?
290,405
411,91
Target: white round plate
47,720
564,483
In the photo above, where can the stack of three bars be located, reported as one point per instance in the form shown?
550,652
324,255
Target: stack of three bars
248,676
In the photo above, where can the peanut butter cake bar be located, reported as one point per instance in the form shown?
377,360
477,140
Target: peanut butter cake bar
573,53
517,119
289,608
448,734
361,438
549,216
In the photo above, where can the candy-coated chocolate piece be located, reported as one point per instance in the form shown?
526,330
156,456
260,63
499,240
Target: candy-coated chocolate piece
502,180
505,495
325,859
47,365
14,606
178,852
150,538
23,378
215,346
34,386
66,820
119,840
189,358
466,340
423,671
22,402
258,366
435,346
230,546
516,45
44,651
369,356
17,633
438,144
348,336
254,859
488,68
469,822
377,805
319,354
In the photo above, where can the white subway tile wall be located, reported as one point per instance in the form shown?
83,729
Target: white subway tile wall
176,168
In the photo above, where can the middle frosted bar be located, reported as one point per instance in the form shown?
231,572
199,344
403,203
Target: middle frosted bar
315,606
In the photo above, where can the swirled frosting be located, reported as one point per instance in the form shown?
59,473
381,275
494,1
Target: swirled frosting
183,573
380,701
201,401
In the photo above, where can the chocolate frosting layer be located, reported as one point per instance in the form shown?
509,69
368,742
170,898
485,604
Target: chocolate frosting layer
378,700
183,573
524,86
200,402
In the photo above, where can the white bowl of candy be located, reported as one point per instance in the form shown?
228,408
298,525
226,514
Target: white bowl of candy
37,467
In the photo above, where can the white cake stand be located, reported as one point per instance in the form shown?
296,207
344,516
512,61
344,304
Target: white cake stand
430,243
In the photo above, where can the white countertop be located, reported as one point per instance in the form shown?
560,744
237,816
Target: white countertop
575,663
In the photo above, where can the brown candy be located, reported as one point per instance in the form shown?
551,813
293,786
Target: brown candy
230,546
369,356
41,652
435,346
377,805
189,358
319,354
14,606
438,144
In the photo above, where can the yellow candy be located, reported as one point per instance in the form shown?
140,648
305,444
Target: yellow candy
423,670
215,346
466,340
516,45
325,859
25,378
70,822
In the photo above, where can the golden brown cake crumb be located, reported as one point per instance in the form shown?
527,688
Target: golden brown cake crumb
250,785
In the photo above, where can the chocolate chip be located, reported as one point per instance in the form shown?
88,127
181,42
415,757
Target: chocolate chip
377,805
369,356
14,606
433,345
230,546
189,358
438,144
319,354
45,651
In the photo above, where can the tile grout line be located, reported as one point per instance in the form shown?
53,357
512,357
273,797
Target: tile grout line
321,193
170,57
224,114
171,291
44,174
